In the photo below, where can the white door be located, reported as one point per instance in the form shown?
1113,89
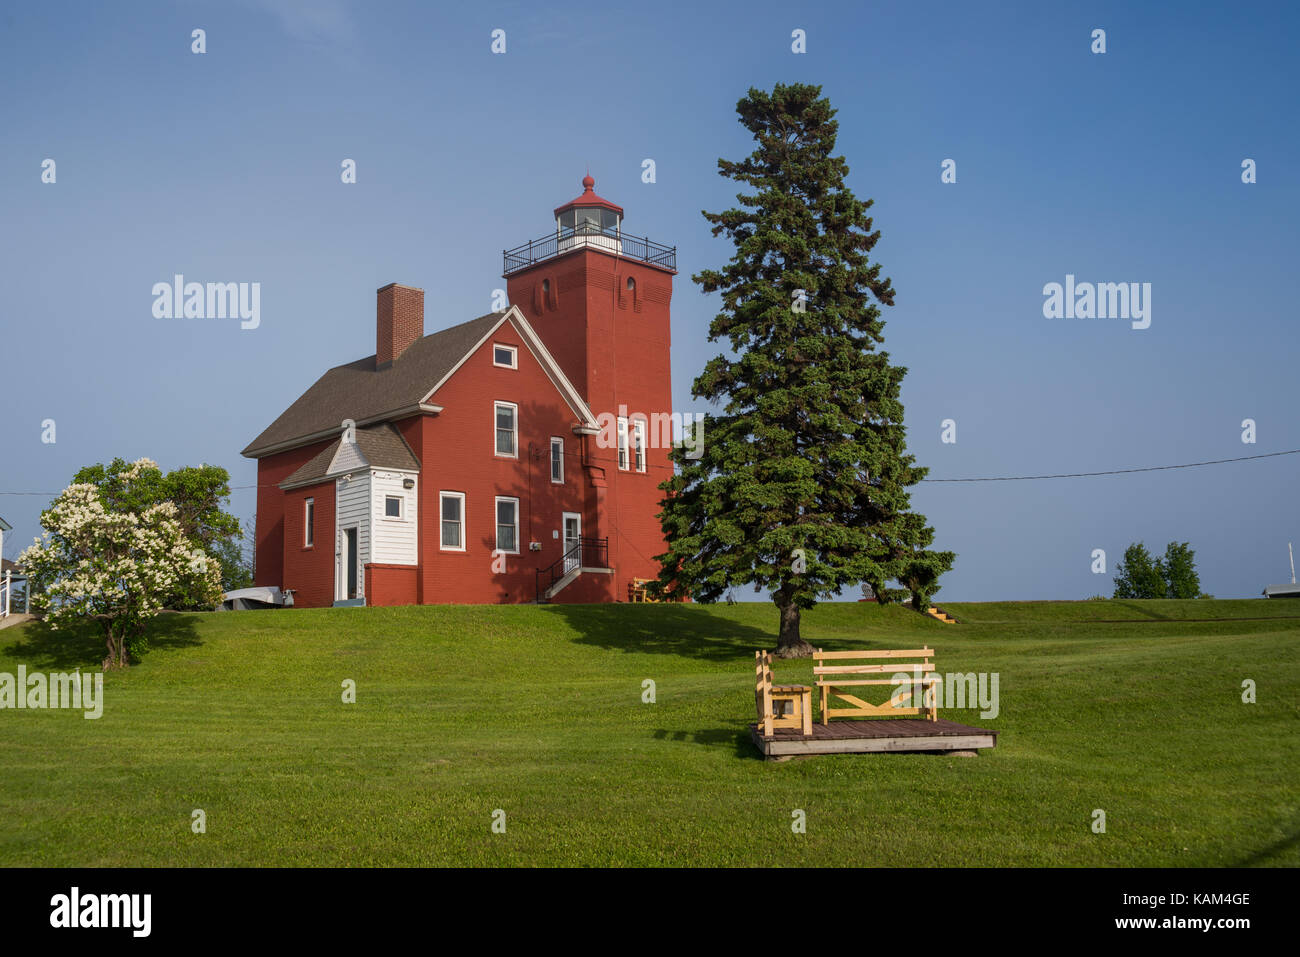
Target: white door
572,537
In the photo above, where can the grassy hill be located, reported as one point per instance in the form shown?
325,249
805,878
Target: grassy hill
1131,707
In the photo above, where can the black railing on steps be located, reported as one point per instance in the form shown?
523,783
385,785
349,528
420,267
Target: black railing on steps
584,553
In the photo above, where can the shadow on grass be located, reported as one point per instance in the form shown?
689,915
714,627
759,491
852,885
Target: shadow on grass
664,629
1269,854
740,740
42,648
1139,608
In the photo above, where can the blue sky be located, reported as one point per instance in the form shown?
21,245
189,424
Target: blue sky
1115,167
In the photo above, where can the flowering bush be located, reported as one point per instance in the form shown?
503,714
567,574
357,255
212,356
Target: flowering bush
112,567
198,494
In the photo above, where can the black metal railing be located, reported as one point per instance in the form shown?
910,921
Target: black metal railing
584,553
639,248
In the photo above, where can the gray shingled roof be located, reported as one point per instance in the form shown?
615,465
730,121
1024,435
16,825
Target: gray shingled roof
359,391
382,445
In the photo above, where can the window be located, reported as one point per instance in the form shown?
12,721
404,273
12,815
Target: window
589,220
309,523
453,520
392,506
622,442
507,357
557,461
508,525
638,444
507,426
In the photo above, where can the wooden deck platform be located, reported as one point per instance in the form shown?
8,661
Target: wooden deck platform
865,737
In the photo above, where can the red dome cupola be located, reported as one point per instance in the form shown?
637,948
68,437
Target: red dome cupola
591,209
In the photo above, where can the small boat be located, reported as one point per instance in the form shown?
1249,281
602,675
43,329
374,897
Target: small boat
248,599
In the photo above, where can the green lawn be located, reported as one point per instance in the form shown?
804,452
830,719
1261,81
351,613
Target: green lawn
1130,707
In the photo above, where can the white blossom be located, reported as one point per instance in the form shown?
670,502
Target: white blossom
113,566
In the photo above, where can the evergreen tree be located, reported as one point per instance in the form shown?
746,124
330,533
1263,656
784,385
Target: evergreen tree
800,487
921,567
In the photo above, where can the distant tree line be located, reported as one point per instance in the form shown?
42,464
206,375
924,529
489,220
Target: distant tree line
1140,575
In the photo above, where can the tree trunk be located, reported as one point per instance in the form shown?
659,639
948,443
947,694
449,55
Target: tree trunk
116,641
789,644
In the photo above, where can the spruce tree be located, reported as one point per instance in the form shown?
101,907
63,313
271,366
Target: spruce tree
800,487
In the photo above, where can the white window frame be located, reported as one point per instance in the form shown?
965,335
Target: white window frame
496,525
514,356
401,508
638,444
622,444
514,409
464,523
309,523
564,540
557,440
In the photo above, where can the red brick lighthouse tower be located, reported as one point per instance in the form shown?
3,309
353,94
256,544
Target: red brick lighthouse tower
599,299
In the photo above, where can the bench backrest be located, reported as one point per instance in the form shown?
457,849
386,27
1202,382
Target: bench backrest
762,684
839,671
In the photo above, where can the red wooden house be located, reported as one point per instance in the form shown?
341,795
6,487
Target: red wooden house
513,457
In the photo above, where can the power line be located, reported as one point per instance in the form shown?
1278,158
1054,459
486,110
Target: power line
1149,468
999,478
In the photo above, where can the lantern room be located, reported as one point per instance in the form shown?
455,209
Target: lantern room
589,220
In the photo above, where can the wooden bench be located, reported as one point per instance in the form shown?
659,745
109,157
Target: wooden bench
636,590
837,671
780,706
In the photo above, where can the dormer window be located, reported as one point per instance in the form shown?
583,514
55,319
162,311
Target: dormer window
505,357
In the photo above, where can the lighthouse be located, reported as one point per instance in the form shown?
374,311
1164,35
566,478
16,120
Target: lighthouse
600,299
513,457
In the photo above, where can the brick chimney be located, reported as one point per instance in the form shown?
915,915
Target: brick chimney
399,321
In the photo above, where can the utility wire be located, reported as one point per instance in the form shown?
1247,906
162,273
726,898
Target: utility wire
999,478
1150,468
